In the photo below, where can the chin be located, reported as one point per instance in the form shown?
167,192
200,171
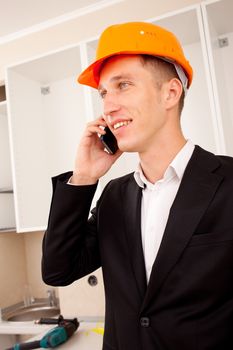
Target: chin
127,147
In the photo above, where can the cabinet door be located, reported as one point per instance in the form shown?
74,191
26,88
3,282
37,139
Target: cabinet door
219,32
47,116
7,214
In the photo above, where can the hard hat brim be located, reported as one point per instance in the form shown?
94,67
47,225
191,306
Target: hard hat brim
90,76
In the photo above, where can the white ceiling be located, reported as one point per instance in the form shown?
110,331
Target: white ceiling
18,15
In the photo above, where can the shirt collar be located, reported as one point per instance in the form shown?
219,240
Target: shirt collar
175,168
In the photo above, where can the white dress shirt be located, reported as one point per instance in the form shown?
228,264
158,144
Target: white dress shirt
157,200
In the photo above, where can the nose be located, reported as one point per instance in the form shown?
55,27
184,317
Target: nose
110,104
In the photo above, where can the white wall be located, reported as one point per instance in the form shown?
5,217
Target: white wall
13,272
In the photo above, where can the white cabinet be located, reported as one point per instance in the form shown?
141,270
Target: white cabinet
7,213
48,109
219,32
47,116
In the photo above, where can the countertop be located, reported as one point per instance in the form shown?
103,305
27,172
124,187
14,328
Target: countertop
88,336
28,327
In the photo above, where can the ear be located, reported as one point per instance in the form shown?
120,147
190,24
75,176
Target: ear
173,92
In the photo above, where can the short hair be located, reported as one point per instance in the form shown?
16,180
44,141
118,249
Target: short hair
165,71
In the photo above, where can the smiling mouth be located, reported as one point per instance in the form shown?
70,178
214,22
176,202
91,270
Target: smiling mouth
120,124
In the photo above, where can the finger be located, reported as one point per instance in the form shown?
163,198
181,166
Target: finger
95,129
99,121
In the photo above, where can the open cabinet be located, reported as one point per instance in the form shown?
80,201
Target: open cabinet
47,116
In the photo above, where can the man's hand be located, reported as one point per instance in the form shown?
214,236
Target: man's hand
92,162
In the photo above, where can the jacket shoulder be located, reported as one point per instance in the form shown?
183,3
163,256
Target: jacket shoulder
122,179
114,186
221,164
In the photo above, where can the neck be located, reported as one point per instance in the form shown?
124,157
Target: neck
155,161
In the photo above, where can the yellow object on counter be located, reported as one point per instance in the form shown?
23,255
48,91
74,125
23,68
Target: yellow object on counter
98,330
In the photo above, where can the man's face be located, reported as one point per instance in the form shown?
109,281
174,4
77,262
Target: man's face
132,103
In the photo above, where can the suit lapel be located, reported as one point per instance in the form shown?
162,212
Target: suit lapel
197,188
132,195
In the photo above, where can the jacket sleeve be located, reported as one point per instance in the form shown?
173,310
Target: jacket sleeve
70,244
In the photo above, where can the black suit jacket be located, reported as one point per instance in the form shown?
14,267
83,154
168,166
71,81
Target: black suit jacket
188,304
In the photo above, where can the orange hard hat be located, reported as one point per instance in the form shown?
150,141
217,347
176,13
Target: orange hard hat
137,38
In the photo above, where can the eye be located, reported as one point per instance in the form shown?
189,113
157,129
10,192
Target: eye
123,85
102,93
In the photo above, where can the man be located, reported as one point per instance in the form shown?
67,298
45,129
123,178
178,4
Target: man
164,234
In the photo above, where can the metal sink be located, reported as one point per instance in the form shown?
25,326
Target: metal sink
30,313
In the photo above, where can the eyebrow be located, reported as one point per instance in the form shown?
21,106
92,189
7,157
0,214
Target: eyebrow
116,78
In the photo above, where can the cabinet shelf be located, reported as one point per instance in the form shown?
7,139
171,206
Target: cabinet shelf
7,229
6,190
7,211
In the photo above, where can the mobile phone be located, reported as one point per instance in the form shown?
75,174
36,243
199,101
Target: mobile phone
109,141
